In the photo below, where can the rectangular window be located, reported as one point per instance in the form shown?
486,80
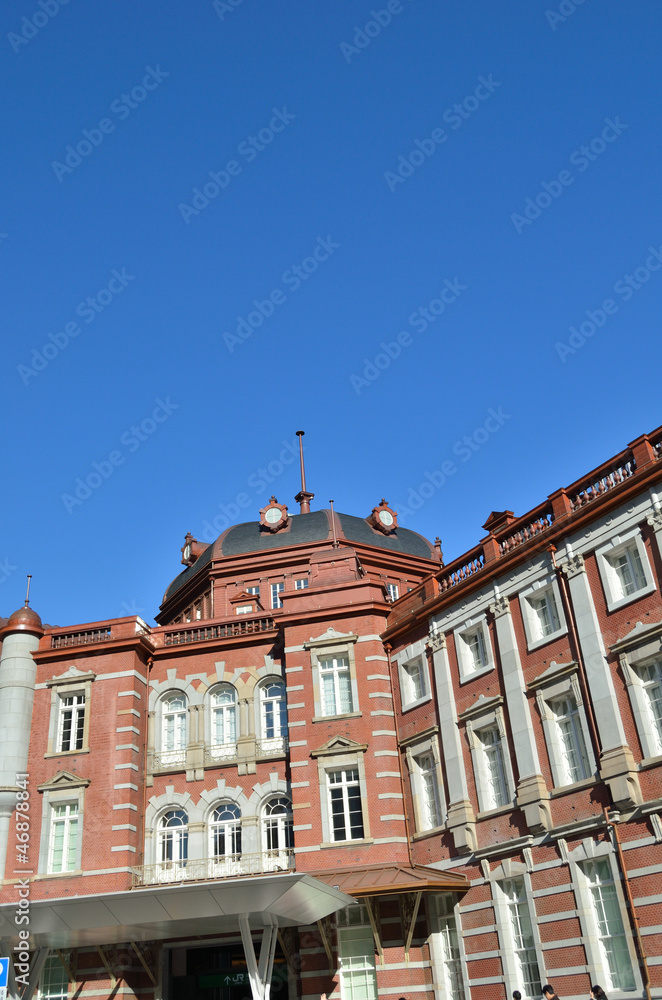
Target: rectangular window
651,676
475,642
547,617
393,591
450,948
522,941
609,925
413,678
356,963
54,981
345,804
336,686
301,584
71,722
244,609
64,837
495,786
629,570
574,758
253,590
429,791
276,590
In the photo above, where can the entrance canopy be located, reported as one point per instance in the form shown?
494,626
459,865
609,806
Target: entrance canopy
171,911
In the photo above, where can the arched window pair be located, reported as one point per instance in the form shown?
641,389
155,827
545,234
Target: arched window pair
225,855
224,727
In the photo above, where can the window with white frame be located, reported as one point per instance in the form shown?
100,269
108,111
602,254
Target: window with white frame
624,569
276,590
356,955
474,650
521,936
413,681
277,832
223,723
253,590
345,808
244,609
450,947
574,756
71,722
426,791
63,844
54,980
489,751
302,583
273,717
608,925
651,680
493,767
225,831
565,725
335,685
393,591
541,612
173,839
173,729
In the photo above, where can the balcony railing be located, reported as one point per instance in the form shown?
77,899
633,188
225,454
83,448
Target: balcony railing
204,633
205,869
221,751
66,639
271,747
164,759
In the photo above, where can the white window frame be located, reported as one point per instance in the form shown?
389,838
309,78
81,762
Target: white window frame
419,787
54,980
77,710
393,591
611,584
546,588
277,742
173,755
408,696
588,918
489,719
74,682
336,762
227,750
64,788
276,589
168,868
277,833
255,591
352,963
229,862
302,583
466,662
446,937
344,778
502,910
69,820
550,690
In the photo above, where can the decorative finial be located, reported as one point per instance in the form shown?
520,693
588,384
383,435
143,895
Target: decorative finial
303,498
27,592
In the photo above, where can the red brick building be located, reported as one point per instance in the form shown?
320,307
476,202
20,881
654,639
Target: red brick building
338,767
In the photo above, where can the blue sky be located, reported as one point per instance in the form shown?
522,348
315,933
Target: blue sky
463,182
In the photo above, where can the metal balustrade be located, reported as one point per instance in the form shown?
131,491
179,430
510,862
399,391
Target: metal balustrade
205,869
271,747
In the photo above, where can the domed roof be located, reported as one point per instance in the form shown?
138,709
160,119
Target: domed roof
24,620
242,539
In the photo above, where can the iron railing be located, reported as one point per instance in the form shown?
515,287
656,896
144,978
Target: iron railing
205,869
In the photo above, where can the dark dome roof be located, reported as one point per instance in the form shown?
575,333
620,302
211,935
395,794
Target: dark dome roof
303,529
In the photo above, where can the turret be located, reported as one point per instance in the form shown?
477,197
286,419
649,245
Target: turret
18,672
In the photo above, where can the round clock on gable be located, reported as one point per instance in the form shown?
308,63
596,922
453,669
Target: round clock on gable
384,518
274,516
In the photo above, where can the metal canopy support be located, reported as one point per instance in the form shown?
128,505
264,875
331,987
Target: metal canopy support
106,965
321,927
373,917
67,964
259,971
143,961
412,921
36,969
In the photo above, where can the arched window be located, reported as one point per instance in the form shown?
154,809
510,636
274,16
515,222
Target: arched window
225,836
273,718
223,724
173,842
173,729
278,836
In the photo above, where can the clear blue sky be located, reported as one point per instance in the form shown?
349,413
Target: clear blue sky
308,115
